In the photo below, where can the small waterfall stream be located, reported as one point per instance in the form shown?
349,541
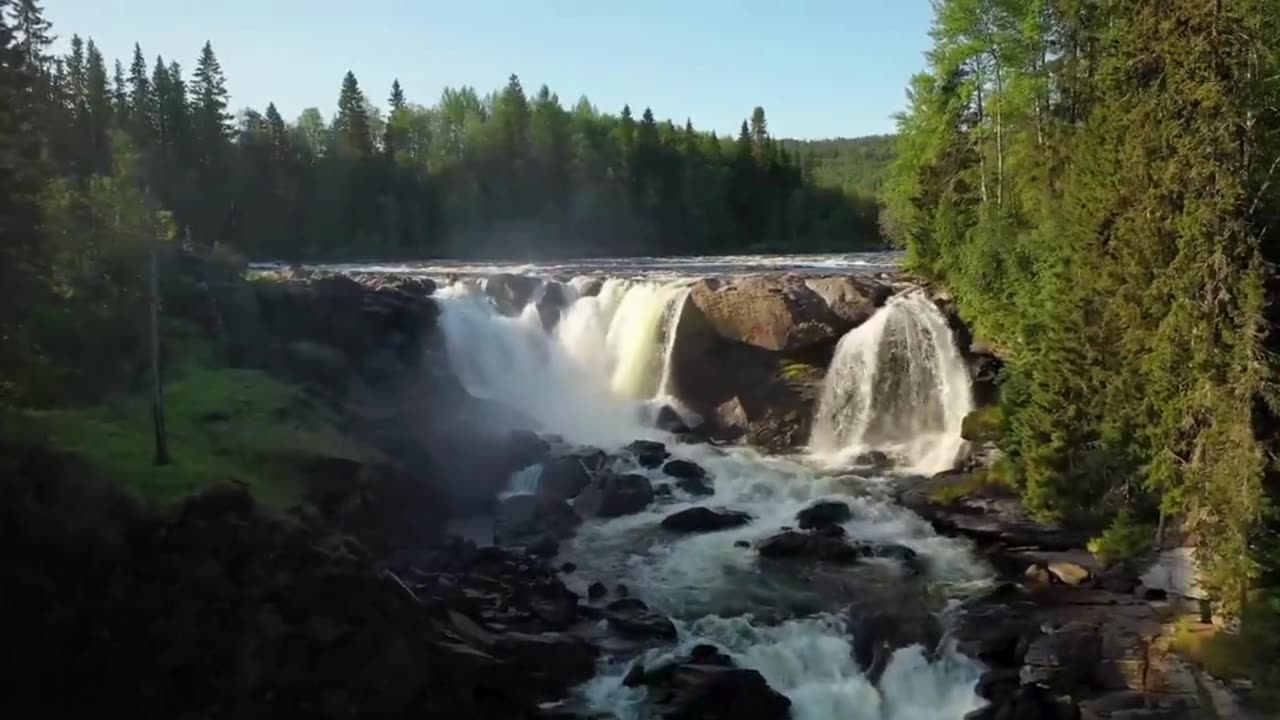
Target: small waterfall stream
896,384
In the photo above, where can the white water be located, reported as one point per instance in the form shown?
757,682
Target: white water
587,382
896,384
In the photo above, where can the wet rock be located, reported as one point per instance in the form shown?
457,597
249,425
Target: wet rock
697,487
997,684
563,478
527,519
877,634
669,420
662,490
596,590
701,519
902,554
809,546
823,514
708,692
648,453
874,459
510,292
593,459
633,618
544,547
621,590
1120,578
742,544
551,305
635,677
684,470
554,659
611,496
1038,573
568,568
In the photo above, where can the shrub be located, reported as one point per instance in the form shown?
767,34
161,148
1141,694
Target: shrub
1123,540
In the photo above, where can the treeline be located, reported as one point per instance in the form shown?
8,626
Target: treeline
858,166
1096,182
500,175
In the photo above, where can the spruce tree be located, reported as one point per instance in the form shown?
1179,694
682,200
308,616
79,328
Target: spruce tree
351,125
140,98
211,122
99,112
35,36
119,95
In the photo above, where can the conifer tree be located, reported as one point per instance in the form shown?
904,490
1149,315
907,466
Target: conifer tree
140,98
351,125
211,122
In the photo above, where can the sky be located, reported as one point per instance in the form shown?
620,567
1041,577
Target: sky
820,68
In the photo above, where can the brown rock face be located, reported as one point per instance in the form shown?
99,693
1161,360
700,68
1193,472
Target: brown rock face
750,353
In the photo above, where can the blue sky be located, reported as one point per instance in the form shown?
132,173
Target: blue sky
820,68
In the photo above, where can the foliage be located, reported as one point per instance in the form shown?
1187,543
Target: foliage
1250,654
972,484
1124,539
1093,182
983,425
223,424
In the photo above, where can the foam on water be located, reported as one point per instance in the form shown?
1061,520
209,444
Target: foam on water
588,381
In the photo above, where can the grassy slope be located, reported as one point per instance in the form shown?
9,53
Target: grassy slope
223,424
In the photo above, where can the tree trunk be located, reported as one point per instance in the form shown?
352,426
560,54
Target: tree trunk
157,388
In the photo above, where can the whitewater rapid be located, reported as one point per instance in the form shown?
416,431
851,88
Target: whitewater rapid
592,381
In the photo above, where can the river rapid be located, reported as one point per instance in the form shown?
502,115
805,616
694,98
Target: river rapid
896,384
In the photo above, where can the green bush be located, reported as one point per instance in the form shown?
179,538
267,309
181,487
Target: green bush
1123,540
983,425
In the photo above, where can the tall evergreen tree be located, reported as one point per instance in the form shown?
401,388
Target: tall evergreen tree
351,125
140,98
211,123
35,33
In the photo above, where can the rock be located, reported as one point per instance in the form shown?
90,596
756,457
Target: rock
684,470
696,487
510,293
562,659
669,420
563,478
1119,578
551,304
742,544
701,519
635,677
902,554
596,590
633,618
1038,573
662,490
648,453
593,459
544,547
1063,660
797,545
877,634
1069,573
710,692
997,684
568,568
611,496
621,590
1175,572
729,420
822,514
527,519
874,459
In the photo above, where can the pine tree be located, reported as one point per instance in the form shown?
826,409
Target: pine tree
351,125
396,100
119,95
99,112
75,69
276,125
392,135
34,31
759,134
140,98
211,123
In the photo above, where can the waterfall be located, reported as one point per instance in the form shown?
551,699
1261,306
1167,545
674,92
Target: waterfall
896,384
588,379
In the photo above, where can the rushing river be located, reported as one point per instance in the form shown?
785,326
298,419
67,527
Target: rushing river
896,384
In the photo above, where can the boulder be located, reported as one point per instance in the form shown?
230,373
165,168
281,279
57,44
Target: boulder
877,634
823,514
696,486
633,618
1069,573
729,420
684,470
711,692
611,496
510,292
648,453
596,590
791,544
528,519
701,519
669,420
563,478
551,304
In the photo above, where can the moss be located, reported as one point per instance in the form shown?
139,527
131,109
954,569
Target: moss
799,372
972,484
983,425
222,425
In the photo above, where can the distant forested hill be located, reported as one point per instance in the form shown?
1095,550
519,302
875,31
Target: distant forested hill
854,165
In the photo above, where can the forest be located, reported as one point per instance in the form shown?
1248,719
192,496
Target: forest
507,174
1095,182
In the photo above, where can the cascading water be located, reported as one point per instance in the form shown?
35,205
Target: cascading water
587,380
896,384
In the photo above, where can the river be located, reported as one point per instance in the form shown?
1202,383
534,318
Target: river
896,384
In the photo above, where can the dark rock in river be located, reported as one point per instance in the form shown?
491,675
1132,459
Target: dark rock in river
614,495
811,546
633,618
552,304
563,478
878,633
510,293
823,514
528,519
684,470
669,419
701,519
648,453
596,590
707,686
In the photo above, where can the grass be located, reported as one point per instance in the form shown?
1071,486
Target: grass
1249,654
223,424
